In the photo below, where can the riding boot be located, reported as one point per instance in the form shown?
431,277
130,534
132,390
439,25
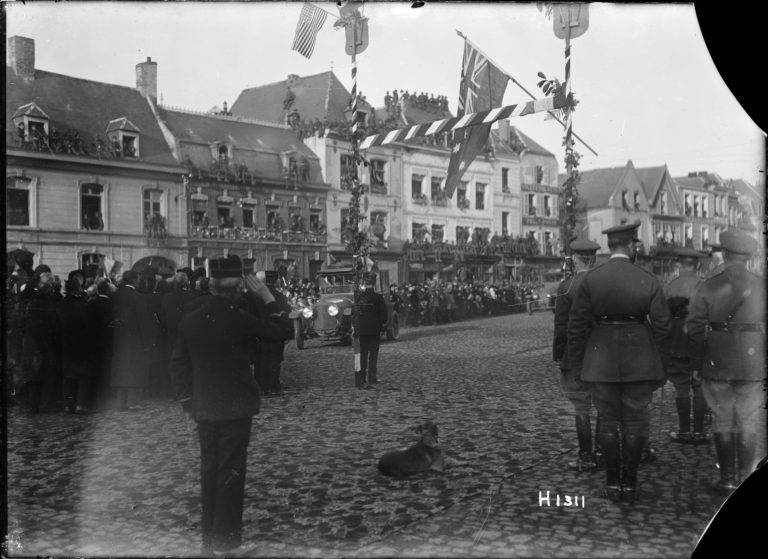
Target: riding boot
746,447
610,445
699,413
632,449
683,435
586,460
726,459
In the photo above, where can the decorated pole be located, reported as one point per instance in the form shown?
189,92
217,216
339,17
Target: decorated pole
570,21
356,30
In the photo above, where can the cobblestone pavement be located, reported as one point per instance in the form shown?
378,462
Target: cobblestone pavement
126,483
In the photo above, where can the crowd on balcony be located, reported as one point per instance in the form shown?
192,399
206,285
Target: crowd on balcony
70,143
275,229
476,241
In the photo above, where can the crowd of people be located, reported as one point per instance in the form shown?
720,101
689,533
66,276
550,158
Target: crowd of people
435,301
76,345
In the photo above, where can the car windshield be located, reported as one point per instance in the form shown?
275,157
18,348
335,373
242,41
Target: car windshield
336,283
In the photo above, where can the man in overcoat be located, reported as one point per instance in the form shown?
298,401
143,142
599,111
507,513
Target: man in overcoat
726,323
210,371
373,319
679,293
78,326
574,388
618,336
131,343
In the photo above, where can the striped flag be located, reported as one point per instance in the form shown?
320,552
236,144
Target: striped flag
310,22
482,87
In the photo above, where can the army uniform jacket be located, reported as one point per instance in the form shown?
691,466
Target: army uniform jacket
563,301
635,349
679,293
210,366
729,354
373,313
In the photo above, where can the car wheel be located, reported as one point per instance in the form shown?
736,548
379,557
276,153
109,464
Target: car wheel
297,333
394,331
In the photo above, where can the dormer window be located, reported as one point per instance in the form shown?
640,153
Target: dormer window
123,138
31,123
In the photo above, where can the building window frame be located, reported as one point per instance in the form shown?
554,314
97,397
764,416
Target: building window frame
378,175
22,182
480,192
154,202
92,222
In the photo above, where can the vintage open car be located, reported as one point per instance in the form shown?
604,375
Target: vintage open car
330,317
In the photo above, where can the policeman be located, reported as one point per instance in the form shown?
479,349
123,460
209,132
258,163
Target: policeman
373,319
679,293
618,331
210,370
575,390
726,323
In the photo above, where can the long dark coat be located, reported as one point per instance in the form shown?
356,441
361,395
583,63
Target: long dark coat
210,366
78,325
729,355
131,340
565,294
41,344
373,313
619,352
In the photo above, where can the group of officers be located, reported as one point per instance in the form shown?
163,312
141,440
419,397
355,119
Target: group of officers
619,335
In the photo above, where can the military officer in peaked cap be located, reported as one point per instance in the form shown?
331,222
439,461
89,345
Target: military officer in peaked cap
575,390
679,293
618,337
726,324
210,370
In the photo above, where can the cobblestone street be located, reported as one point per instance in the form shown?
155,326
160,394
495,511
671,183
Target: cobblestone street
126,483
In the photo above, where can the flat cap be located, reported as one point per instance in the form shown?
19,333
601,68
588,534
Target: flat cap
624,231
228,267
684,252
586,247
737,241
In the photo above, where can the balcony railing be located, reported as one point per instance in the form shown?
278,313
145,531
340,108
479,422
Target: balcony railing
257,234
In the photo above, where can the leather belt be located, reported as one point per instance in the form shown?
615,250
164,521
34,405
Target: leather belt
619,319
736,327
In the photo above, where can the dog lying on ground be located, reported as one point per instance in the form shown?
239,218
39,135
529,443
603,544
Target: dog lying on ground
421,457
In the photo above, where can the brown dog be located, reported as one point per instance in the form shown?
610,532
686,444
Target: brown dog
421,457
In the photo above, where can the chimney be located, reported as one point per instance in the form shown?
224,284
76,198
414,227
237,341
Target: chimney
504,130
146,79
21,56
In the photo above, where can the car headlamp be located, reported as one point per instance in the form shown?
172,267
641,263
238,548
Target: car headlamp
306,312
333,310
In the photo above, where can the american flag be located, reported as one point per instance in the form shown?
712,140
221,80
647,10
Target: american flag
482,87
310,22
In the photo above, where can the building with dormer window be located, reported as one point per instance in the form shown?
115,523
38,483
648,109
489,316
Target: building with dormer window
89,176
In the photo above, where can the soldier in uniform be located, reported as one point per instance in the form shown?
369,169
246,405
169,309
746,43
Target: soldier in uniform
679,293
575,390
726,324
373,319
618,331
211,374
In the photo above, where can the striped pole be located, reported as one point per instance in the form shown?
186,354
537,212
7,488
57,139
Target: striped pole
359,381
472,119
568,139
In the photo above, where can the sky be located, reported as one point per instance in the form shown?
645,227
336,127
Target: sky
647,87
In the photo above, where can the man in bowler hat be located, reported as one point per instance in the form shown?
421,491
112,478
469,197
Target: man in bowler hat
618,336
210,370
373,319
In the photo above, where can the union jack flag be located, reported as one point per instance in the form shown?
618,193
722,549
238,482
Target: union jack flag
482,87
